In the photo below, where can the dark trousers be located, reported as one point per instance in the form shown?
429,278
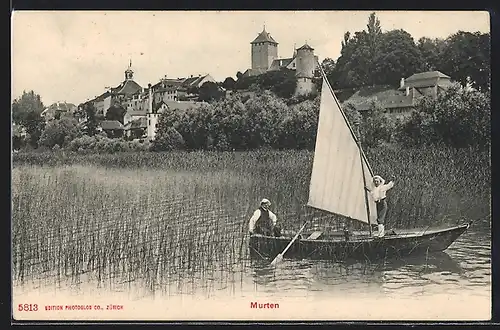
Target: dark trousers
268,230
381,211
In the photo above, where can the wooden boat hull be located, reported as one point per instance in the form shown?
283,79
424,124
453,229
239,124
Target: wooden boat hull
356,247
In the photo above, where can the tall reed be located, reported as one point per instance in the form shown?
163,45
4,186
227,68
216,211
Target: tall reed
181,217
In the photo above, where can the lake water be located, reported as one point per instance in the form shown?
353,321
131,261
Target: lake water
462,273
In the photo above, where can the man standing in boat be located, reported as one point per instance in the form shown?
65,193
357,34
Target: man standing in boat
379,196
263,221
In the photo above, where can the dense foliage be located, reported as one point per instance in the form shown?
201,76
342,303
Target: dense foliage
99,143
282,82
27,111
262,121
116,112
60,132
459,118
373,56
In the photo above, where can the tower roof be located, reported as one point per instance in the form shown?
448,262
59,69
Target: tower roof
264,36
306,46
128,87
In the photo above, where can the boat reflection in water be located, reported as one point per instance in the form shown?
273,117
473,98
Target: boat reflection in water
305,277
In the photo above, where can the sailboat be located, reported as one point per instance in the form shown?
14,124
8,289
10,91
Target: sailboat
340,173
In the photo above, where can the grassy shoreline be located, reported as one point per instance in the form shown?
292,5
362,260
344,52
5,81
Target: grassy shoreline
432,184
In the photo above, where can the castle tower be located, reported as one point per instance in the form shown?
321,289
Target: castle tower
264,50
305,69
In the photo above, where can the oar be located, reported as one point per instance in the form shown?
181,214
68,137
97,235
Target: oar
279,257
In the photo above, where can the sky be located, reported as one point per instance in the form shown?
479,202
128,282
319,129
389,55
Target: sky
72,56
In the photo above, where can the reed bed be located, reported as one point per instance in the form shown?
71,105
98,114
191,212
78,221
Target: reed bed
172,220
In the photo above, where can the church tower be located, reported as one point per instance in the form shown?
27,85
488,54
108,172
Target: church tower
264,50
306,64
129,74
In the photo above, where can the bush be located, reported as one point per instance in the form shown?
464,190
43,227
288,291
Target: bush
282,82
376,126
169,140
297,129
59,132
102,144
458,117
18,142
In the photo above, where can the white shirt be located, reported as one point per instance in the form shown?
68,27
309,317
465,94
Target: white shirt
256,216
378,193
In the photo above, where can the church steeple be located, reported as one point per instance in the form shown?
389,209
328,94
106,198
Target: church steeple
129,74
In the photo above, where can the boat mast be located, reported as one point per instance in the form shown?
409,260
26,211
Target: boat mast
366,194
362,156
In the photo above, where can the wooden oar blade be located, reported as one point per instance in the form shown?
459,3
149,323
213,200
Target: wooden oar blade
278,258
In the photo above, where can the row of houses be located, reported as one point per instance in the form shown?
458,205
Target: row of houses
144,105
397,101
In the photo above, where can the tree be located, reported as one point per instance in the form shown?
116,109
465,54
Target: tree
79,113
17,142
60,132
91,118
398,57
209,91
431,50
229,123
28,102
196,126
298,127
116,112
353,65
264,112
376,126
459,118
373,37
358,57
167,139
282,82
417,131
354,118
193,90
27,111
374,29
328,66
467,56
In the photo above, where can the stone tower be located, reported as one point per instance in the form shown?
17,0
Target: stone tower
264,50
305,69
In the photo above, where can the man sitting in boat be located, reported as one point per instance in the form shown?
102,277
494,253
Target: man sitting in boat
263,221
379,196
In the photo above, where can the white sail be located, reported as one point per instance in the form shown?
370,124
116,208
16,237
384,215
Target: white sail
337,183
